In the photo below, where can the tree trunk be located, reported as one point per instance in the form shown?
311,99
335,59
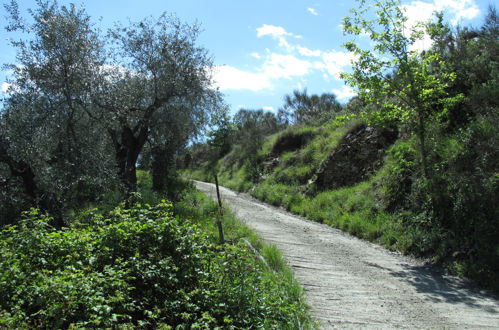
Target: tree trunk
128,148
160,165
20,169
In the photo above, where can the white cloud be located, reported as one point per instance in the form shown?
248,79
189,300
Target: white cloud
277,33
268,108
334,62
455,10
312,11
256,55
5,87
275,66
418,11
295,62
285,66
274,31
229,77
344,93
308,52
466,9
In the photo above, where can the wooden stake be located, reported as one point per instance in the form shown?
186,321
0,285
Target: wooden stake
219,222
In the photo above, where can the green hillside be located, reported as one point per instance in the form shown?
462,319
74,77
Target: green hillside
382,199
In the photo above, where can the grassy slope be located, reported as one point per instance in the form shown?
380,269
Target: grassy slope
356,209
364,209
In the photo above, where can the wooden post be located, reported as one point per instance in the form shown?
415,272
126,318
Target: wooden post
219,221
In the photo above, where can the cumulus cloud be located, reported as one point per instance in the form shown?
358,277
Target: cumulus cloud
334,62
229,77
308,52
274,31
268,108
278,33
256,55
313,11
461,9
455,10
285,66
344,92
294,61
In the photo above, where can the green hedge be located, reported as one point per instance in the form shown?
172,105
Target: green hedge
136,267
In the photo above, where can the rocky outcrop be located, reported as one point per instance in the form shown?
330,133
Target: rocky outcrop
286,142
359,154
291,141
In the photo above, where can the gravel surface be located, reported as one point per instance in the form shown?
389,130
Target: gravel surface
351,283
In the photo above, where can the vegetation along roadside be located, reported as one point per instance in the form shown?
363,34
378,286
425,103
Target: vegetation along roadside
411,163
96,229
150,265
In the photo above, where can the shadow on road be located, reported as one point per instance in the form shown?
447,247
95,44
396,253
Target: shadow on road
437,287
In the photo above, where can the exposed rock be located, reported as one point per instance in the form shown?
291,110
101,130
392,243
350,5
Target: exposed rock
291,141
358,155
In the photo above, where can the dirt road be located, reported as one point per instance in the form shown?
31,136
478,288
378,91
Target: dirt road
350,283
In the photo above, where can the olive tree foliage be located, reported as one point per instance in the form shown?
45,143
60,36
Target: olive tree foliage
252,126
221,136
174,127
82,105
404,86
302,108
158,77
48,137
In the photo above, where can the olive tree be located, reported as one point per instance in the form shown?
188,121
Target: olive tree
82,105
48,135
175,126
156,67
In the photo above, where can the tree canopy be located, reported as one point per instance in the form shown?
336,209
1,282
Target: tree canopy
403,84
83,104
302,108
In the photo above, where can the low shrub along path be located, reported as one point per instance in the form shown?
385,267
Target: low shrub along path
352,283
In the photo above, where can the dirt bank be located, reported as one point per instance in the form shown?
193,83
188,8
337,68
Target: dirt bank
351,283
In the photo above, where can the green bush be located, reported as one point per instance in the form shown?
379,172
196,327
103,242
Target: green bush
138,267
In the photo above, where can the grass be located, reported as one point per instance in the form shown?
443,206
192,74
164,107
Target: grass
358,209
300,165
392,207
355,209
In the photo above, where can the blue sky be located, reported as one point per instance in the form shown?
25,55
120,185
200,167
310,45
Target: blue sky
263,49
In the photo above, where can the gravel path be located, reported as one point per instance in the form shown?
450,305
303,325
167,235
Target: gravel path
351,283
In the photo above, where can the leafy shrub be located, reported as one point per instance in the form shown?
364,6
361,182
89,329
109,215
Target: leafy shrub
137,267
397,175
